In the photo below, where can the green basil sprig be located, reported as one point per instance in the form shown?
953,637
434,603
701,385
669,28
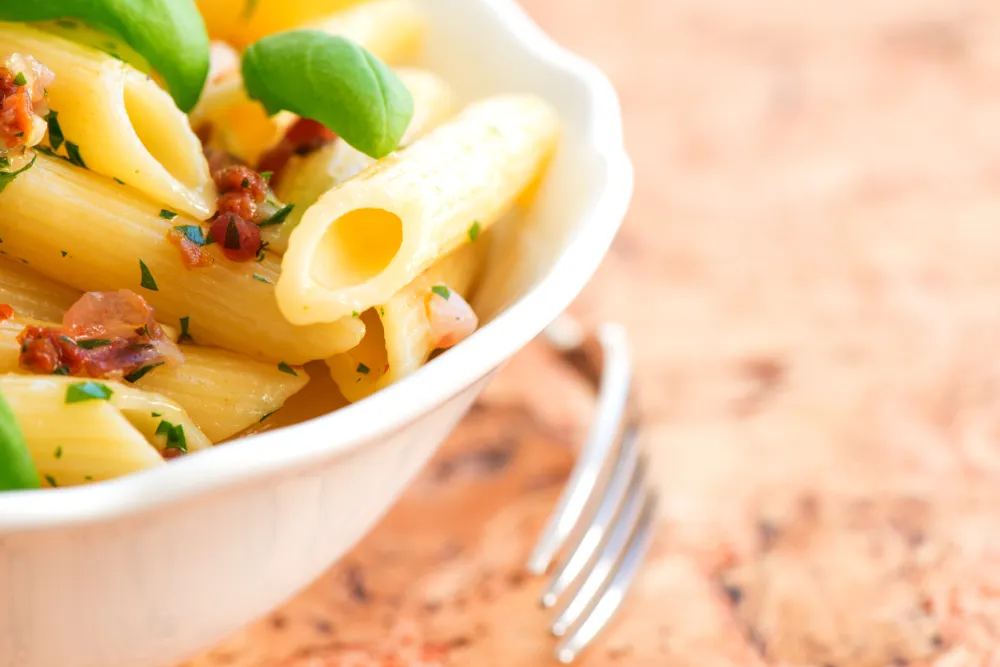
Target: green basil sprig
169,34
17,470
333,81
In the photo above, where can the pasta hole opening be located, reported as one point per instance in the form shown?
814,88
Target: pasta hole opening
157,124
356,247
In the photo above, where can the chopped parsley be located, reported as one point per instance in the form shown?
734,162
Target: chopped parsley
194,234
185,321
279,217
285,368
261,420
155,414
88,478
58,453
381,311
73,152
266,175
261,279
62,370
119,181
139,374
245,183
20,79
175,435
232,236
364,370
64,253
442,291
355,314
4,163
88,391
7,177
474,231
92,343
52,481
167,215
56,137
146,278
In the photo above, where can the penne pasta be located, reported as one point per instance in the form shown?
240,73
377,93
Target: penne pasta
308,177
114,238
222,392
31,294
392,30
368,238
74,443
244,21
118,121
399,337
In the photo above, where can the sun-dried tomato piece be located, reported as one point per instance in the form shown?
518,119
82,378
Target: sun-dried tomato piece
240,240
193,255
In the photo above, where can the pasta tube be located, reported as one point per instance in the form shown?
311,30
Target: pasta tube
99,236
222,392
392,30
75,443
306,178
398,338
364,241
118,121
33,295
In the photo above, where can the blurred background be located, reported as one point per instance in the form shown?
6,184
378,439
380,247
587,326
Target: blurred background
810,277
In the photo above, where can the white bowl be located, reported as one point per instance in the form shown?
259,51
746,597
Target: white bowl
149,569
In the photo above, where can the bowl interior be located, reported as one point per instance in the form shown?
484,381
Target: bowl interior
525,246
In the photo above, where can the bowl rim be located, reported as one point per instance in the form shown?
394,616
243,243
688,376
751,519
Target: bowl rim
300,444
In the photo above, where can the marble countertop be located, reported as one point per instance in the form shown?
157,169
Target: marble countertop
810,275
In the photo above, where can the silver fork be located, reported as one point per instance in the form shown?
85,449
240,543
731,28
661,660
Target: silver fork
602,526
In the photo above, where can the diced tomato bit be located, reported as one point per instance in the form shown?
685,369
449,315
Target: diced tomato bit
128,342
240,203
6,312
451,319
171,453
240,178
240,240
23,105
193,255
303,137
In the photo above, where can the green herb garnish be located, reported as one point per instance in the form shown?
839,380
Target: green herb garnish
279,217
88,391
285,368
138,375
62,370
52,481
175,435
146,278
442,291
474,231
364,370
261,279
261,420
64,253
6,178
55,132
232,236
185,321
17,470
58,452
167,215
333,81
266,175
20,79
73,152
195,234
119,181
92,343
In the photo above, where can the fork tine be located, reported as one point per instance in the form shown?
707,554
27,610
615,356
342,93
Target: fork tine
603,568
597,532
612,597
611,407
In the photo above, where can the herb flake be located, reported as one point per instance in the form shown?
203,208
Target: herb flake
279,217
167,214
474,231
195,234
139,374
73,152
442,291
364,370
175,435
88,391
146,278
20,79
261,279
56,137
93,343
7,177
285,368
185,336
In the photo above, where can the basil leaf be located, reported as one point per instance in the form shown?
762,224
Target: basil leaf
169,34
333,81
7,177
17,470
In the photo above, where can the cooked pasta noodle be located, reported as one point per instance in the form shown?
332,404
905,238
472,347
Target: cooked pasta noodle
32,294
307,177
365,240
121,123
399,338
92,440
